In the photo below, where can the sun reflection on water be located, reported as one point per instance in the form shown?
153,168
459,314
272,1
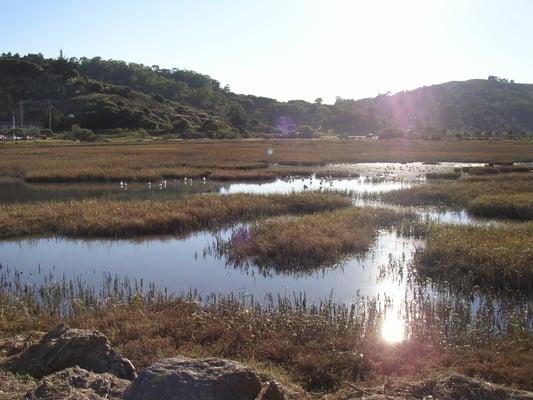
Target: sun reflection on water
393,329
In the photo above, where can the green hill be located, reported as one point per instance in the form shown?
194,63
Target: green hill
106,95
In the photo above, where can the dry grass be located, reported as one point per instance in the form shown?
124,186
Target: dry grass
311,241
494,257
507,196
512,206
115,218
319,349
37,162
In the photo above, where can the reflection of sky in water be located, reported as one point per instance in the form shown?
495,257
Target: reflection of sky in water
180,264
355,185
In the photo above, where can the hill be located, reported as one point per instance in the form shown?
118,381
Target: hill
109,95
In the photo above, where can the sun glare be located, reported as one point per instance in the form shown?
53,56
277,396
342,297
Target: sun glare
393,329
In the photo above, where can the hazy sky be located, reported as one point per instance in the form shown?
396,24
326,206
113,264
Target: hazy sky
301,49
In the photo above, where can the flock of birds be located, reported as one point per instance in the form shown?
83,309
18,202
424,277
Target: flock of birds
323,181
163,183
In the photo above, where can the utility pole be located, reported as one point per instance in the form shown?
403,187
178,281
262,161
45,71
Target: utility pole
13,114
50,116
21,115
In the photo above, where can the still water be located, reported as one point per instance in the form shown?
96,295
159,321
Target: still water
180,264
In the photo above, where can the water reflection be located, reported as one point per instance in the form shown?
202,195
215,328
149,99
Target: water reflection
192,262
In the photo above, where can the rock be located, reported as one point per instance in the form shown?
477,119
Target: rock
79,384
189,379
64,347
271,391
457,387
451,387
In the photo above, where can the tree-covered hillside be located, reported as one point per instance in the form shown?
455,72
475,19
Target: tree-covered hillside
105,95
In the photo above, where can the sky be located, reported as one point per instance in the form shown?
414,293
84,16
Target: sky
291,49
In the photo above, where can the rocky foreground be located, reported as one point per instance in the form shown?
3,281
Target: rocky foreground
80,364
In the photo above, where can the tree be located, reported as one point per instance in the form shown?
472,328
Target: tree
318,101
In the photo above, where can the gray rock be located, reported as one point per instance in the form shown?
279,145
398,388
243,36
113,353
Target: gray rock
79,384
271,391
189,379
64,347
451,387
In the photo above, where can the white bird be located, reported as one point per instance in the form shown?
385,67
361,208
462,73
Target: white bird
160,186
149,183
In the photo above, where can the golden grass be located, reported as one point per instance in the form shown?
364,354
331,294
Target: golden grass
99,162
503,197
512,206
494,257
115,218
311,241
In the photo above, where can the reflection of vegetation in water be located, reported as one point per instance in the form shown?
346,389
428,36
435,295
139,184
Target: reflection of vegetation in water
311,241
114,218
497,257
319,345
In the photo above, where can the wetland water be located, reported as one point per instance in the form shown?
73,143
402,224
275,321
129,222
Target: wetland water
180,264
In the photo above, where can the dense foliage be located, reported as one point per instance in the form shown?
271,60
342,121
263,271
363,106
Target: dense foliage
106,95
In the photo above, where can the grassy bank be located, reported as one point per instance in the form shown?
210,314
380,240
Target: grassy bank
114,218
319,347
311,241
100,162
495,257
507,196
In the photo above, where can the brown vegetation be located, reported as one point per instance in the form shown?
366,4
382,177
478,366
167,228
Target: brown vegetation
115,218
506,196
311,241
495,257
99,162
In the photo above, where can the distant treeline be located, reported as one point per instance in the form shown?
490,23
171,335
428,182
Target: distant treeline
109,95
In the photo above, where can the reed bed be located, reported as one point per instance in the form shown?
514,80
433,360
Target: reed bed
512,206
493,257
319,346
102,162
117,218
311,241
506,197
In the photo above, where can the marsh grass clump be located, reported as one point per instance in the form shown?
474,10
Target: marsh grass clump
311,241
498,196
493,257
443,175
512,206
117,218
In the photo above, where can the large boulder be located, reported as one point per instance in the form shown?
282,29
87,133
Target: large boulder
195,379
79,384
64,347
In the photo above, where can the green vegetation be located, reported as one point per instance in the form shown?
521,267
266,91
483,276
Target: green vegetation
495,257
311,241
111,96
114,218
